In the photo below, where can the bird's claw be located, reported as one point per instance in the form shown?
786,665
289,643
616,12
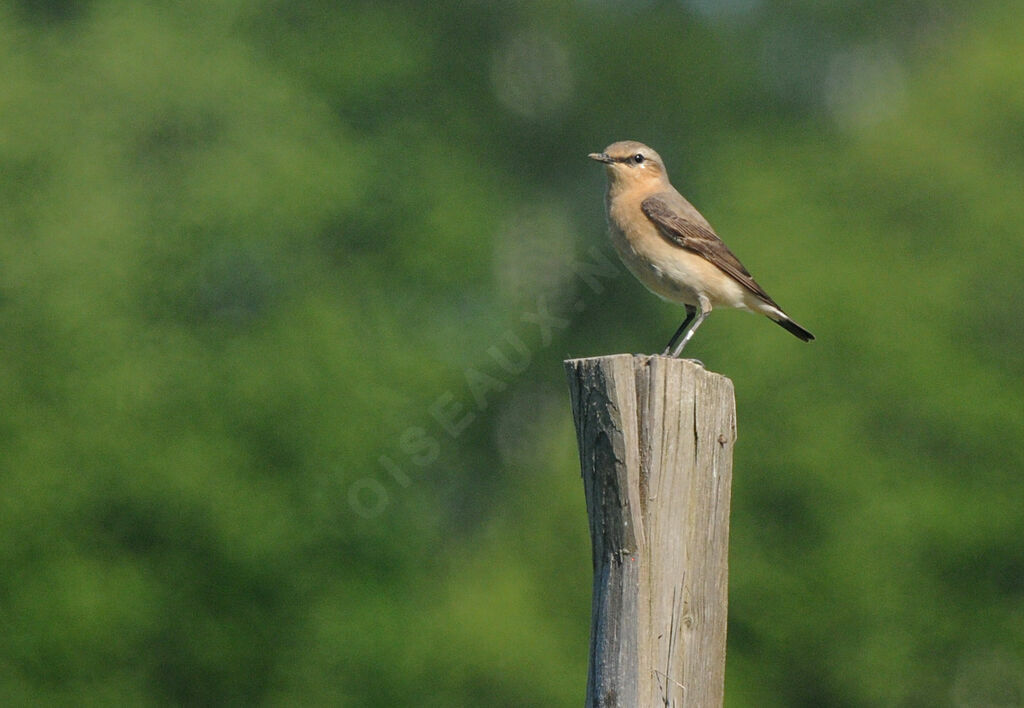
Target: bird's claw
698,362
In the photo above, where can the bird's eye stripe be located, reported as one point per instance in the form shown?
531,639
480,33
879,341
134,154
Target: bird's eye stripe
630,158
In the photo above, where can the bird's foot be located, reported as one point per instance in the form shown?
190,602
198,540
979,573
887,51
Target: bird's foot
698,362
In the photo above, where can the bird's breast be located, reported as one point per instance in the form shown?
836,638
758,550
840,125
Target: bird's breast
668,270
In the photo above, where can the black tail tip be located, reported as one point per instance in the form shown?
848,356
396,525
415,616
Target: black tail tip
796,329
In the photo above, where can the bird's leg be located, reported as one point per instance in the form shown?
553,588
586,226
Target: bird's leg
691,312
705,308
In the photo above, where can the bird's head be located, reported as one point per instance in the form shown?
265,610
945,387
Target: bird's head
629,164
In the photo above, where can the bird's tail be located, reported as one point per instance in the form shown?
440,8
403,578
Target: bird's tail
793,327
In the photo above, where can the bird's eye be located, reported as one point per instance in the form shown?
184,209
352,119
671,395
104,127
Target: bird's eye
638,158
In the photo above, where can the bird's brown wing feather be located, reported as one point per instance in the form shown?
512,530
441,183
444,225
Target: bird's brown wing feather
700,239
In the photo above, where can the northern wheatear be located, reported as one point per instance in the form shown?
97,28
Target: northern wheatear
671,248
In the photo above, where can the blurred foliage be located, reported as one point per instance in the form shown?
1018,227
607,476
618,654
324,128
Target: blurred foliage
285,287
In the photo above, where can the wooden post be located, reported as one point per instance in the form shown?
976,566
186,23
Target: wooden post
655,438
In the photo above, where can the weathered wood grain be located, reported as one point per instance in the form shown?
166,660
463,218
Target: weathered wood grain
655,438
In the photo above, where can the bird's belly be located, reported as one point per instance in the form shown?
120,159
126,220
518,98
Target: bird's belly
678,275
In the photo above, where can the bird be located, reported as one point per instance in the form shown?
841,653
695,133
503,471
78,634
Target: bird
670,248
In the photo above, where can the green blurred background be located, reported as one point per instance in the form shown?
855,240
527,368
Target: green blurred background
285,288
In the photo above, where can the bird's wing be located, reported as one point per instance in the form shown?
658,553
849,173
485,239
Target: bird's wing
701,239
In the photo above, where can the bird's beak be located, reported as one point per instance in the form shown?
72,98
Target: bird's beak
600,157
